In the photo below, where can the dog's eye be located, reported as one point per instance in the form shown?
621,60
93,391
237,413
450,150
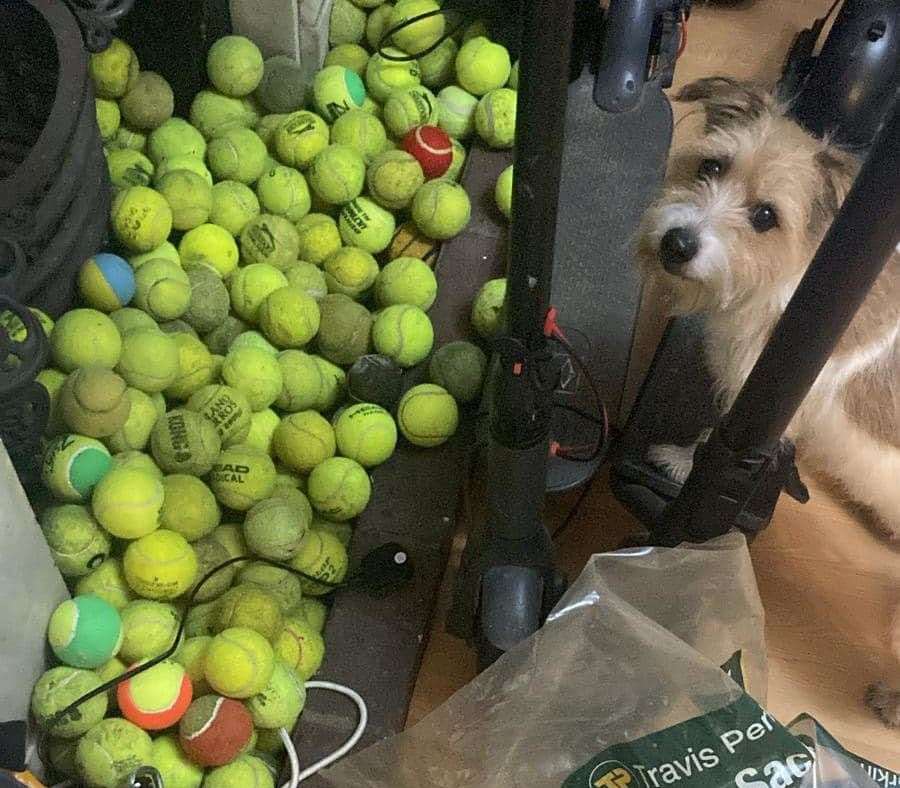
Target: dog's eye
710,168
763,217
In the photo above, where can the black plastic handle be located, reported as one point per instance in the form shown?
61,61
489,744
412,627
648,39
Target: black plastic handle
623,61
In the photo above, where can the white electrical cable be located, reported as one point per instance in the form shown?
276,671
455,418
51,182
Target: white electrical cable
296,775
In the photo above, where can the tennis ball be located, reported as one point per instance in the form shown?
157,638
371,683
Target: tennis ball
409,108
148,102
215,730
246,770
252,339
267,126
129,168
210,555
303,440
351,56
441,209
149,629
375,378
173,765
456,109
308,278
16,329
283,191
459,367
59,687
198,620
76,542
366,224
184,442
377,24
189,196
393,178
417,36
128,139
315,612
59,755
513,82
344,329
165,250
110,751
189,508
495,118
149,360
337,90
237,155
487,308
347,23
333,382
251,285
337,174
503,192
191,654
289,317
226,408
269,239
409,241
351,272
343,531
242,476
85,632
284,586
138,460
302,382
195,367
163,289
213,114
233,205
427,415
161,565
85,338
432,148
339,488
52,380
127,502
209,302
438,68
234,65
322,556
372,107
361,131
482,66
73,465
298,140
239,661
175,137
107,581
406,280
134,434
176,163
283,86
318,238
459,159
280,702
129,319
114,70
209,245
404,333
93,402
262,427
156,698
384,76
274,527
255,373
220,338
300,646
366,433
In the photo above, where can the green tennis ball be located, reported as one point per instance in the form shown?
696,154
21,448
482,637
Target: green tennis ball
269,239
93,402
59,687
251,285
361,131
263,424
302,381
384,76
459,367
255,373
300,646
441,209
234,65
210,300
226,408
233,205
495,118
406,109
438,68
406,280
366,433
281,700
274,527
334,381
377,24
134,434
487,308
289,317
176,163
165,250
299,138
237,155
210,555
59,755
393,179
318,238
347,24
482,66
149,629
112,750
456,109
303,440
418,36
209,245
213,114
351,56
404,333
195,368
314,611
191,654
252,339
175,137
344,329
189,196
73,465
149,360
321,554
427,415
337,174
251,607
85,632
339,488
198,621
242,476
351,272
148,102
129,168
184,442
283,85
503,191
108,582
283,585
308,278
176,769
162,289
76,542
114,70
366,224
128,318
141,218
283,191
85,338
128,139
189,507
245,770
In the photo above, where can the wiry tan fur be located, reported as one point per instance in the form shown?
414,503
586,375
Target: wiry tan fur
741,279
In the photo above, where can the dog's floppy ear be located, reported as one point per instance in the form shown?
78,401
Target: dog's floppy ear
728,102
839,169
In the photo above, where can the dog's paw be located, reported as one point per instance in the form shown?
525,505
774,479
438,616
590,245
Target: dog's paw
676,461
885,702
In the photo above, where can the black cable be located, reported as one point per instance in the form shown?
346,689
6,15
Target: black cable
578,412
388,34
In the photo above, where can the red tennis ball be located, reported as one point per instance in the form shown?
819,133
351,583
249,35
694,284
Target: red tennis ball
432,148
215,730
156,698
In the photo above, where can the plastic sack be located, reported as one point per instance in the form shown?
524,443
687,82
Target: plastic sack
625,686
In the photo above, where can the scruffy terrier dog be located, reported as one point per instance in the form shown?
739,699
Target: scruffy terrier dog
742,213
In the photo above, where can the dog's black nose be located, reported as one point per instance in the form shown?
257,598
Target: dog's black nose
678,246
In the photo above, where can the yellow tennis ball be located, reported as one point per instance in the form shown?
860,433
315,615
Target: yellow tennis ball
148,102
351,272
274,527
189,196
242,476
149,629
487,308
377,24
233,205
299,138
427,415
252,339
337,174
361,131
302,381
393,179
237,155
93,402
482,66
162,289
175,137
209,245
283,191
177,163
352,56
384,76
406,109
85,338
365,433
339,488
262,427
314,611
239,663
269,239
336,90
345,329
347,23
403,332
439,66
243,770
165,250
441,209
52,380
130,318
161,565
280,702
129,168
226,408
77,543
289,317
213,114
323,556
417,36
114,69
495,118
503,190
234,65
456,109
127,503
303,441
189,507
300,646
184,442
138,460
110,751
149,359
318,238
195,368
366,224
269,124
308,278
191,655
128,138
108,582
457,162
283,585
255,373
59,687
175,768
210,555
406,280
134,434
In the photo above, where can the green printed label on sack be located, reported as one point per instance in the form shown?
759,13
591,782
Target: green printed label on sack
739,745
